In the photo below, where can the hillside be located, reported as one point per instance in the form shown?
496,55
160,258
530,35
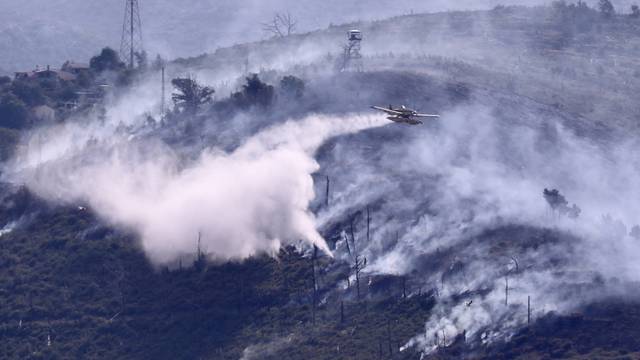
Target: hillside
201,234
174,30
555,57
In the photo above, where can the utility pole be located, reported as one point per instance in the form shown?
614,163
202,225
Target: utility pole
368,224
200,257
131,33
199,247
163,97
506,290
131,41
528,310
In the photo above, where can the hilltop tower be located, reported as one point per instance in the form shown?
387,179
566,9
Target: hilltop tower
352,56
131,43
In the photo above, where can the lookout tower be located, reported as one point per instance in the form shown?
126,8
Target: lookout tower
352,55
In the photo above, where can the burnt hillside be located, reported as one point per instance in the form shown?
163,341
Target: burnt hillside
440,235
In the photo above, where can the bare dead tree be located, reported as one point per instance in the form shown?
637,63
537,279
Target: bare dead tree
358,263
515,261
282,24
345,236
288,22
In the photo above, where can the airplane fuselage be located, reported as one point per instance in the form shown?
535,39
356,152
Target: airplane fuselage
404,115
405,120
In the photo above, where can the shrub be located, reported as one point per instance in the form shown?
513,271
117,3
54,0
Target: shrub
292,86
108,60
254,93
13,112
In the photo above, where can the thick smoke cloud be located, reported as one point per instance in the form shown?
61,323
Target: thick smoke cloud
251,200
473,172
436,190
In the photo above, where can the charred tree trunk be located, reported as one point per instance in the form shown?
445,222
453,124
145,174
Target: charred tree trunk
200,258
357,278
326,195
528,310
389,341
356,260
404,287
315,284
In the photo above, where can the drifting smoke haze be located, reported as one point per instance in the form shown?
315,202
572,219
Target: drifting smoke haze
93,24
44,28
249,201
440,188
476,173
457,204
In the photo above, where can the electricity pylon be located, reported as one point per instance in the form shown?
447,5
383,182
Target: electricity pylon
131,43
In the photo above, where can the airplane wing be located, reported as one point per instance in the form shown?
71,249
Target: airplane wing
427,115
388,111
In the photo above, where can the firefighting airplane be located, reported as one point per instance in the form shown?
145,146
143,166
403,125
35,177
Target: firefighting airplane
404,115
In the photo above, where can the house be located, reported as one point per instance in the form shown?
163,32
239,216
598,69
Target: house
48,73
75,68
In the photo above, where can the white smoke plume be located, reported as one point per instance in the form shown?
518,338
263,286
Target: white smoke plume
260,351
248,201
450,181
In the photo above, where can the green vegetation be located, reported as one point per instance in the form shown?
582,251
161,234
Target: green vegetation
191,95
75,289
292,87
91,292
51,95
254,93
13,112
107,60
95,295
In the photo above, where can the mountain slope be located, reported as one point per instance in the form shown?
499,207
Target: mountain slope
450,216
172,29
